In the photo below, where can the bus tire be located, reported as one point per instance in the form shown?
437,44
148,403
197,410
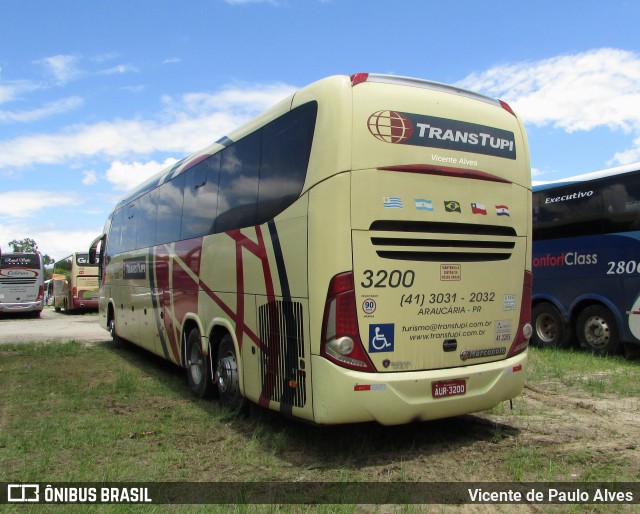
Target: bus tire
198,367
597,330
115,338
227,378
548,329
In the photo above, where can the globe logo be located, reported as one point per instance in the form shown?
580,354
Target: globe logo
390,126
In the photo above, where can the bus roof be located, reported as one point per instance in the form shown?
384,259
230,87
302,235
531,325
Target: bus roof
284,106
609,172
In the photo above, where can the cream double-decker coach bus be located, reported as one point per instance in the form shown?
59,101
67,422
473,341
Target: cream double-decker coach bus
359,252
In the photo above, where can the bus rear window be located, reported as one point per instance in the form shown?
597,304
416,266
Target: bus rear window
20,261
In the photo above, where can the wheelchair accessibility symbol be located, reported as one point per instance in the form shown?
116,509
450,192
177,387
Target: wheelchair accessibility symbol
381,337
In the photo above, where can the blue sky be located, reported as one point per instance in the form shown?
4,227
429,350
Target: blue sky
97,96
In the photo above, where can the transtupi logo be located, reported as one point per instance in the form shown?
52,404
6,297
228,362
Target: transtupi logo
390,126
431,131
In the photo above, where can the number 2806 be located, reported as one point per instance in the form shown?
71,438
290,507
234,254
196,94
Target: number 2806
384,278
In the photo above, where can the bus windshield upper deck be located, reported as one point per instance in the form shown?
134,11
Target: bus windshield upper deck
359,252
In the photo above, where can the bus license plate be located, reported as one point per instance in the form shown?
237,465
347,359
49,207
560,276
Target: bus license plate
448,388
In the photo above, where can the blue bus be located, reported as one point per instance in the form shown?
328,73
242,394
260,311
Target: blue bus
586,261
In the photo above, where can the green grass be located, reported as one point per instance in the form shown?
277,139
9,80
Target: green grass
574,369
91,413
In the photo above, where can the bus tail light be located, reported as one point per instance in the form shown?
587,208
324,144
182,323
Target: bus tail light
40,294
75,292
340,341
506,107
358,78
525,330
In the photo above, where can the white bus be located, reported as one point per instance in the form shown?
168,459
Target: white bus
21,283
359,252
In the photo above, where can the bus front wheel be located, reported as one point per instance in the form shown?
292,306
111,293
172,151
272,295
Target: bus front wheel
549,330
198,367
597,330
227,378
112,330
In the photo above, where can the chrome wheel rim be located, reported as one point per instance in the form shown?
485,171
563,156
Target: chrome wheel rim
227,374
597,332
195,364
546,328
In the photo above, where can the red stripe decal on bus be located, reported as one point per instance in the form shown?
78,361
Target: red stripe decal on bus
259,250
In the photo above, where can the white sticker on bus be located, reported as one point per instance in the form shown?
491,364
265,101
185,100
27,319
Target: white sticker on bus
634,319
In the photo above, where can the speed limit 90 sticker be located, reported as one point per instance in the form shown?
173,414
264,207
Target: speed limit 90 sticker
369,306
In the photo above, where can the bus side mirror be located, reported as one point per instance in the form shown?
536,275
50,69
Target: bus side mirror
93,247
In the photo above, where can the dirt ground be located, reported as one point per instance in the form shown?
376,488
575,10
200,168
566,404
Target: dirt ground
548,436
606,429
52,326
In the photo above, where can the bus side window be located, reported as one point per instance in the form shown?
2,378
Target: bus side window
200,198
147,219
129,227
286,146
238,190
170,199
560,210
115,233
622,205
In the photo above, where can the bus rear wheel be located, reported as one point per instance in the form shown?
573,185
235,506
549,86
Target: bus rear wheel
549,330
227,378
198,367
597,330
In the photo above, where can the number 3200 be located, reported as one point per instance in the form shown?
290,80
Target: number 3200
384,278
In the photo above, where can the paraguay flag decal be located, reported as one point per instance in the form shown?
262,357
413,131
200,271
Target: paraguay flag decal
502,210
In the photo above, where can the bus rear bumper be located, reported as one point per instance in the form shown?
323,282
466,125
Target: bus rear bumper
21,307
86,304
345,396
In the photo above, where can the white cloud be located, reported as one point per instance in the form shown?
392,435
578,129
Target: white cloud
22,204
27,213
242,99
578,92
127,175
108,56
62,68
10,91
628,156
188,123
89,178
55,242
51,109
535,172
573,92
119,70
